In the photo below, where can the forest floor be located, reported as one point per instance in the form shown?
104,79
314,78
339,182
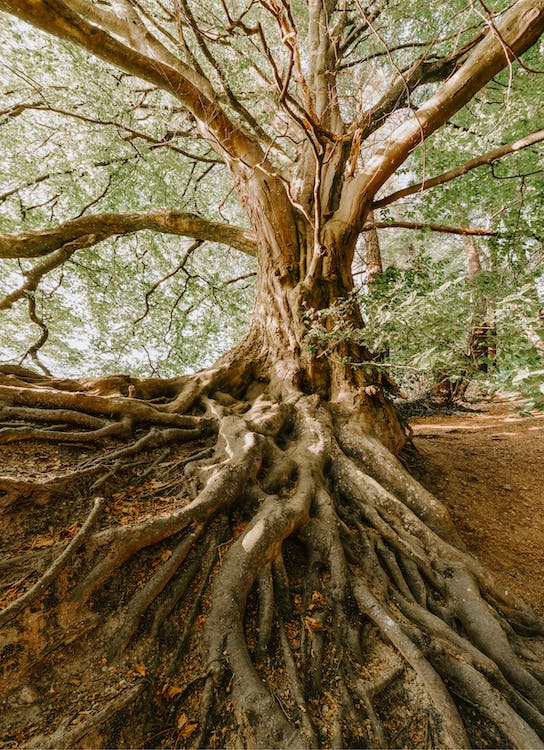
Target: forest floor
487,466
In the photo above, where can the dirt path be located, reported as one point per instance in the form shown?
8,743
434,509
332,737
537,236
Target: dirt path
488,468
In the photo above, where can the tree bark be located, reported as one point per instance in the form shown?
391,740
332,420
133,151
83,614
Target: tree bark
480,351
481,346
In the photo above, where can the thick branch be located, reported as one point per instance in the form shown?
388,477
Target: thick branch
235,103
516,32
36,243
130,28
59,19
488,158
404,84
429,227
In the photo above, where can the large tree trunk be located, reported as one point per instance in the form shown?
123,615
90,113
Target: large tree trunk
256,567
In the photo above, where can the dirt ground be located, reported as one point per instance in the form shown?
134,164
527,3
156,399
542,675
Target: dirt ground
487,466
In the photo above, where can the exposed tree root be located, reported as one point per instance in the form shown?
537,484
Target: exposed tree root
64,738
156,584
284,582
13,609
12,490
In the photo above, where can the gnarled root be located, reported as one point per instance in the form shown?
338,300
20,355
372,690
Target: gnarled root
280,581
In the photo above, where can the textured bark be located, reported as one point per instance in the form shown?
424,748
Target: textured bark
373,256
481,346
89,230
480,350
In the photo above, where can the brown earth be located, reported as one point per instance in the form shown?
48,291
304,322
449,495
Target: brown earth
487,466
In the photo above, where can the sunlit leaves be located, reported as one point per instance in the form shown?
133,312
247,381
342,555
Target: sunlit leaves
78,136
75,136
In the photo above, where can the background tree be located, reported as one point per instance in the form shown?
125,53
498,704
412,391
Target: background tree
511,261
291,512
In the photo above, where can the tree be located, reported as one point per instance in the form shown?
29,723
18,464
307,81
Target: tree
325,592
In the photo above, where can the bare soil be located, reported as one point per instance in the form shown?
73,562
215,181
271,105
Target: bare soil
487,466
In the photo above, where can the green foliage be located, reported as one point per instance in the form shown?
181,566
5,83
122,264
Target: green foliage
415,322
96,312
95,139
520,322
419,317
418,320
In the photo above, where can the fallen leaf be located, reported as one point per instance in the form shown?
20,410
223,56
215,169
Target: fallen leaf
41,542
174,690
188,730
166,554
317,600
312,624
140,669
186,727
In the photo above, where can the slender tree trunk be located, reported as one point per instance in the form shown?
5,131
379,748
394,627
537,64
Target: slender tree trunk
481,347
373,256
480,350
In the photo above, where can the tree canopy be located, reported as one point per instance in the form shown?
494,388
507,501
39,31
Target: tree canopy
82,139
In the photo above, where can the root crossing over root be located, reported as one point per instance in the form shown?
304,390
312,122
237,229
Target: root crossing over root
280,581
